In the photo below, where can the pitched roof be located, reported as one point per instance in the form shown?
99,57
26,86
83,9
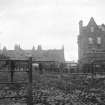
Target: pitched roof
92,22
16,55
49,55
42,55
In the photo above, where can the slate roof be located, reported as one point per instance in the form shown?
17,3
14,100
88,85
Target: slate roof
42,55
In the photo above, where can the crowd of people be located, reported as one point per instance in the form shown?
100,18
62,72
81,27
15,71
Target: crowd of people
78,90
54,96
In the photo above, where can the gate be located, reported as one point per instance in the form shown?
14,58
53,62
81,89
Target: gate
16,81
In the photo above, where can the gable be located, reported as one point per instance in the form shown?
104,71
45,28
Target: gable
92,23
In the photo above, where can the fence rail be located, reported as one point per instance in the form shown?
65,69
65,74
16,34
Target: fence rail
16,92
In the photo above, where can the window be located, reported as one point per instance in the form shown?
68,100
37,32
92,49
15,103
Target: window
90,39
98,40
92,29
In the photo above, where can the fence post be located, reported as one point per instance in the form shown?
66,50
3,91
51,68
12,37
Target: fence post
12,66
30,97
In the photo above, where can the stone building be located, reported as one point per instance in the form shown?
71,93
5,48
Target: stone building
91,46
37,54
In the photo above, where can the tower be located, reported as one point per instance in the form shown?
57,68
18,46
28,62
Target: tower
91,43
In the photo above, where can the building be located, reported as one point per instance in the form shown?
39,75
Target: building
71,66
37,54
91,46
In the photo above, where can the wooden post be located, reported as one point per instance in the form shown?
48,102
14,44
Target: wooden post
12,66
30,98
93,71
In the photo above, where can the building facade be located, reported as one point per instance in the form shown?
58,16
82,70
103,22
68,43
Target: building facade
91,46
37,54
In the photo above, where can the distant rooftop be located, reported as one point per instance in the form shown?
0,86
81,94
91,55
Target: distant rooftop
93,23
38,55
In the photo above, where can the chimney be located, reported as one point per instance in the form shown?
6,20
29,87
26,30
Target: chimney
80,26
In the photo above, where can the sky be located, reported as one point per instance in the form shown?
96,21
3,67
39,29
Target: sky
50,23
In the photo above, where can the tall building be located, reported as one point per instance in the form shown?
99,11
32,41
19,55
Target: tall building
91,46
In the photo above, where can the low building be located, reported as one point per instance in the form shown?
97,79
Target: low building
38,55
71,66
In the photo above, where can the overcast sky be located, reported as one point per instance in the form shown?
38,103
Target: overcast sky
51,23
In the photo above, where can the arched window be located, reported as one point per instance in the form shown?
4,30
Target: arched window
90,40
98,40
